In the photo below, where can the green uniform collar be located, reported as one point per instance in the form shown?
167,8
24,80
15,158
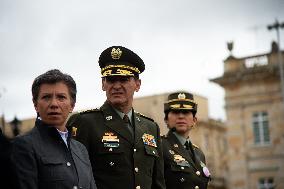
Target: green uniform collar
180,138
121,114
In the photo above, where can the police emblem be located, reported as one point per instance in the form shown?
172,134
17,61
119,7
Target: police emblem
181,96
116,53
149,140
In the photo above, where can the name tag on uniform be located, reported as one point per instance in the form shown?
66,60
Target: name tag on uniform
181,161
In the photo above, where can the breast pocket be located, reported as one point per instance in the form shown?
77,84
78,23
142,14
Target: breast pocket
151,151
110,159
52,168
182,168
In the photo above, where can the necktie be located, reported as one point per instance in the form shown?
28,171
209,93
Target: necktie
128,124
189,148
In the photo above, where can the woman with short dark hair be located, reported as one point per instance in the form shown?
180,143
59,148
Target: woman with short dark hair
47,157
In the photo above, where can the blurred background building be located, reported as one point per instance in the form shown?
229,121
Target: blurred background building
255,120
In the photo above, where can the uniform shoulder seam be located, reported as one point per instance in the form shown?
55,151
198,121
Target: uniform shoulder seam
142,115
89,111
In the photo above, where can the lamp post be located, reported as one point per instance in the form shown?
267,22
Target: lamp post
15,124
276,26
2,91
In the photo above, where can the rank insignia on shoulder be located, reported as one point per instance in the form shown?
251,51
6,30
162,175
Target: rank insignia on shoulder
74,131
142,115
149,140
195,145
110,140
176,145
172,152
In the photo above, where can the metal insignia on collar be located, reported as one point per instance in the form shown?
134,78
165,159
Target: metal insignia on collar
175,145
171,152
109,118
74,131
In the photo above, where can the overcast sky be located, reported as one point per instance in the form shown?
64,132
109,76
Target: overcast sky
182,42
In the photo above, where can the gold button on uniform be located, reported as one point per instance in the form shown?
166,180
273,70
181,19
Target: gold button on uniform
68,164
182,168
134,150
136,169
182,179
138,187
198,173
75,187
196,187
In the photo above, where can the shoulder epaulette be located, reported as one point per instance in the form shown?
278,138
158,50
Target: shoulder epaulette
89,111
195,145
142,115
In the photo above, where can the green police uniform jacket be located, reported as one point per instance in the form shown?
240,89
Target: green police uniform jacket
181,171
118,160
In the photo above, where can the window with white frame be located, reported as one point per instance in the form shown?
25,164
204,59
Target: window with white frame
266,183
261,128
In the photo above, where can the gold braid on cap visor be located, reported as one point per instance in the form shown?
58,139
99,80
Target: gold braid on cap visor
179,100
181,106
124,71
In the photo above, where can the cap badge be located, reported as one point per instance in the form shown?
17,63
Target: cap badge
116,53
181,96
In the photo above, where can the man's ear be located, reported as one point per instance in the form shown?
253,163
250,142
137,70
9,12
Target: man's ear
194,119
138,84
103,84
35,105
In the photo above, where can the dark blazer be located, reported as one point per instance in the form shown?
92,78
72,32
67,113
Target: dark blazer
42,160
6,174
181,171
119,160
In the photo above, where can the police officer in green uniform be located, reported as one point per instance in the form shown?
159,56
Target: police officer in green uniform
124,145
185,166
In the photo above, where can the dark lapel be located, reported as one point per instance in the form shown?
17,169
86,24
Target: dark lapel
113,121
179,149
140,129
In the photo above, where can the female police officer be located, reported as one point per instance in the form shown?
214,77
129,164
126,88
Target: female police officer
184,162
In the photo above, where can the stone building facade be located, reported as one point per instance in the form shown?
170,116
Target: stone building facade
255,121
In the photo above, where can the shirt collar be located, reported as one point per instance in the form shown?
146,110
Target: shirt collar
181,139
121,114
